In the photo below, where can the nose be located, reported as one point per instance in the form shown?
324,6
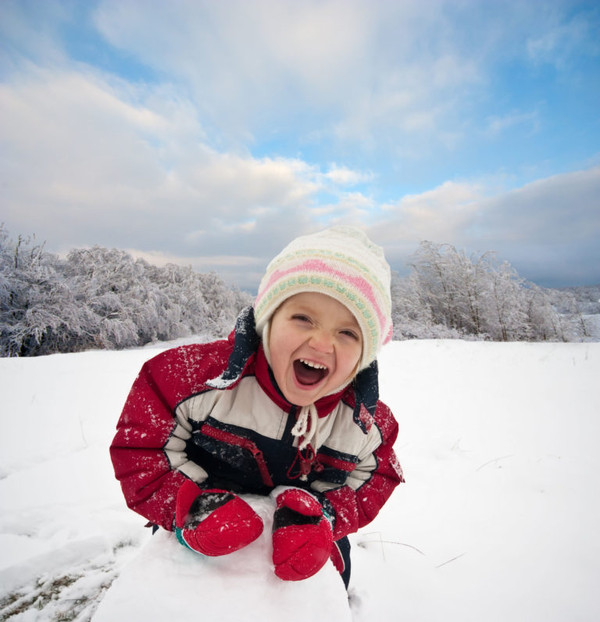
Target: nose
321,341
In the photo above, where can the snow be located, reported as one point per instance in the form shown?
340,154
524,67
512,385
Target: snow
241,586
498,519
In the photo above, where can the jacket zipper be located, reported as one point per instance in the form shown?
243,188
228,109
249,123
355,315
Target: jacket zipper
244,443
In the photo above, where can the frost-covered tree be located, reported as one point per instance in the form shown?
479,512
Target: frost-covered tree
221,300
543,321
37,311
411,316
187,312
435,283
505,315
113,288
103,298
451,285
585,298
578,309
472,296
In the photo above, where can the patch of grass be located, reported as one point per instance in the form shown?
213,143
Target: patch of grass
70,593
57,594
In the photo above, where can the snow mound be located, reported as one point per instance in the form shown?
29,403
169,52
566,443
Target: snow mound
167,581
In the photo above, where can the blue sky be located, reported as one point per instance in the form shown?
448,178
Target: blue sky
211,133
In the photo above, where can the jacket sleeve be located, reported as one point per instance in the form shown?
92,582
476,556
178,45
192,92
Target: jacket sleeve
371,483
142,464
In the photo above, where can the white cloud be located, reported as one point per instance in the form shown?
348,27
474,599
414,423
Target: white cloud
83,148
548,229
350,208
204,263
528,121
88,159
554,211
30,29
549,211
362,68
561,38
343,176
440,214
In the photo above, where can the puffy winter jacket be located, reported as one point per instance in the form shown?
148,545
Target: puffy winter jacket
213,413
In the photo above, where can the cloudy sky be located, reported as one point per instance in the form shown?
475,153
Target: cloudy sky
210,133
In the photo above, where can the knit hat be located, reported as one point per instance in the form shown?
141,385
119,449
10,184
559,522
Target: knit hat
340,262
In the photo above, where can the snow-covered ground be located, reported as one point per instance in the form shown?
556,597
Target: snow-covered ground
498,520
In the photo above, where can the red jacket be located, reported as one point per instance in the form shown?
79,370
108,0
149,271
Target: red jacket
213,413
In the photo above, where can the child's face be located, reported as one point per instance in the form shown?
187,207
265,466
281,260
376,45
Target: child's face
315,344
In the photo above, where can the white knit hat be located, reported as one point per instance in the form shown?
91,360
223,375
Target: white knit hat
340,262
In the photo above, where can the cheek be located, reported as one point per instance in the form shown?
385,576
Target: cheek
279,349
351,359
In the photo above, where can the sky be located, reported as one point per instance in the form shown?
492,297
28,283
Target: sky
211,133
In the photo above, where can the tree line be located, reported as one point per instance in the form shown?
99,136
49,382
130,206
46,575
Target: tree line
449,294
104,298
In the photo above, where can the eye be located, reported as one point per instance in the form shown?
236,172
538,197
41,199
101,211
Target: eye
300,317
351,333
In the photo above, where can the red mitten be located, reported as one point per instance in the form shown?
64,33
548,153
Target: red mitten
302,536
214,522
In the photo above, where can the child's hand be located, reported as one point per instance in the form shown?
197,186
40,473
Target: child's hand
214,522
302,536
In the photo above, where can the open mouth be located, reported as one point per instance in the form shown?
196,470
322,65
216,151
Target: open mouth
309,373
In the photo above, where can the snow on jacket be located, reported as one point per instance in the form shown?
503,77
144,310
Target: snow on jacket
213,413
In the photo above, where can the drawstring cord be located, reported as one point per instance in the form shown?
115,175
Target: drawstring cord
305,431
306,426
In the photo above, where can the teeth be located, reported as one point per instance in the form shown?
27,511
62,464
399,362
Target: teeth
311,364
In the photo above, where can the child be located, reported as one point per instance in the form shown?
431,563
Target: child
287,406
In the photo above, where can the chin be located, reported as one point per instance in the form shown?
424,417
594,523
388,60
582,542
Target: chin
299,397
302,400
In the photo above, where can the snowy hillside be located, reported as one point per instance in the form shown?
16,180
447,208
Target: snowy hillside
498,519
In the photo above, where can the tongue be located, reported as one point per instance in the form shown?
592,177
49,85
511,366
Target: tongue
308,375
